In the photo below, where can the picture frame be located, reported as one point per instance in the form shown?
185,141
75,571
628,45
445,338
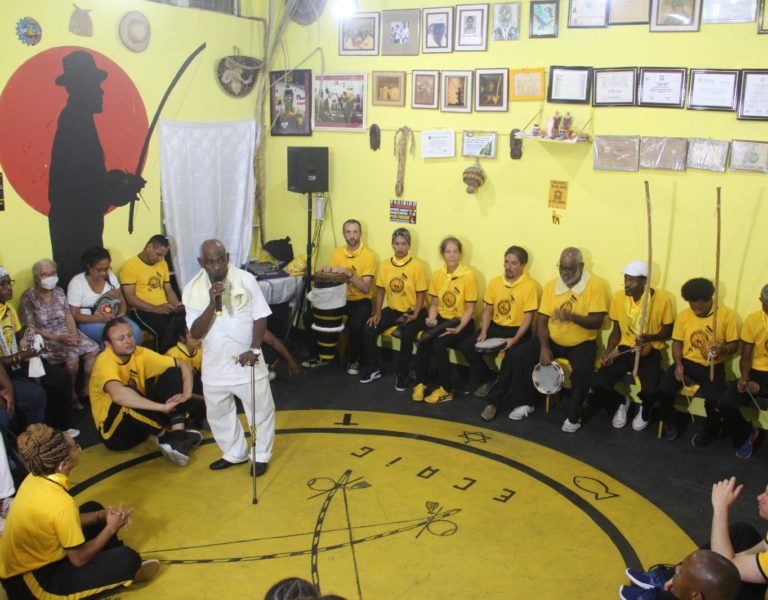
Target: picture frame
425,89
587,14
471,28
506,22
713,89
491,90
614,86
750,156
359,35
707,154
629,12
675,15
290,102
753,95
569,85
661,87
526,84
456,91
400,32
479,144
544,19
340,102
728,11
438,143
663,153
436,30
388,88
762,21
616,153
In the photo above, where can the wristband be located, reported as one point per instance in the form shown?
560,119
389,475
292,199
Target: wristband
256,351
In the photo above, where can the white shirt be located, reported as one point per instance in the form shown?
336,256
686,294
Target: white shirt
230,335
79,293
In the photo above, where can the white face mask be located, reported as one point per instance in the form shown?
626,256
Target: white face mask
48,283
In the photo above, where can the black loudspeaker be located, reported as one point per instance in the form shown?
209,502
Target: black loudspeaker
307,169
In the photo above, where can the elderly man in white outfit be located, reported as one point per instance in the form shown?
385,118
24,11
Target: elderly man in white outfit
226,309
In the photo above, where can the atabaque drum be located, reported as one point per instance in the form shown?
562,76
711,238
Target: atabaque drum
328,299
548,379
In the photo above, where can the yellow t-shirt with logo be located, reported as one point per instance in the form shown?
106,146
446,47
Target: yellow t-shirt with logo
694,332
402,280
142,365
593,299
453,290
361,262
181,352
755,331
626,312
148,279
10,323
511,301
43,522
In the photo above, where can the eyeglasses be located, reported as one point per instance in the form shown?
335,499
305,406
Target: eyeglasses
10,282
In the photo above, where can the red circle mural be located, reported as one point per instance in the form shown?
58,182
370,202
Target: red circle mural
29,110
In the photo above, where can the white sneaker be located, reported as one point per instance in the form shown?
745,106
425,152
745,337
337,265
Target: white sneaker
353,368
638,423
519,413
569,427
620,416
73,433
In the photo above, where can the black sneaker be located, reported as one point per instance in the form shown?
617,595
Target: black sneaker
701,439
671,432
370,375
401,382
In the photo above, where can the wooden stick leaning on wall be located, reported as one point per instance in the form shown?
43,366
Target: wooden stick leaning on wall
647,290
715,303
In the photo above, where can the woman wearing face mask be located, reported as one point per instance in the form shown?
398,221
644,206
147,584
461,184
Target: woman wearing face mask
45,308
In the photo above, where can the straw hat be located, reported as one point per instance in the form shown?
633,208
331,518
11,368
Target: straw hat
135,31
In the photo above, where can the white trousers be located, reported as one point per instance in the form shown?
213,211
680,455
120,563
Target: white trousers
221,413
7,488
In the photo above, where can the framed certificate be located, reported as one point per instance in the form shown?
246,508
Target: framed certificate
456,91
728,11
471,27
753,98
663,153
436,30
359,35
527,84
616,153
661,87
675,15
424,89
587,13
749,156
400,32
629,12
570,85
491,90
480,144
713,89
708,155
614,87
544,17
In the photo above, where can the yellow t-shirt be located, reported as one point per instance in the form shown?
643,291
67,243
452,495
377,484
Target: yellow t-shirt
401,281
511,301
762,561
755,331
593,299
43,521
148,279
142,365
626,312
10,323
361,262
181,352
453,290
695,332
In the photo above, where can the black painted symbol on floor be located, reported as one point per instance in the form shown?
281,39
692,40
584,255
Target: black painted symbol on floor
594,486
475,436
347,420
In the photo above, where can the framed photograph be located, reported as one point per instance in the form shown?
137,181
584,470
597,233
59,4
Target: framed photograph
340,101
728,11
424,89
616,153
675,15
436,30
456,91
545,15
708,155
762,18
587,13
570,85
359,35
668,154
753,97
400,32
290,102
614,87
527,84
471,28
491,90
388,88
479,144
711,89
661,87
629,12
749,156
506,22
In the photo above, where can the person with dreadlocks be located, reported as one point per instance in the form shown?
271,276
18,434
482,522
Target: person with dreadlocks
52,548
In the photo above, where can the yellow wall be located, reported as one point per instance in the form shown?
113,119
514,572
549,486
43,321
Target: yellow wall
606,211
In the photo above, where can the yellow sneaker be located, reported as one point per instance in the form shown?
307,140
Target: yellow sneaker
439,395
418,392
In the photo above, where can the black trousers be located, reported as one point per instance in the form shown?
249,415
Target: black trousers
56,383
438,347
154,323
408,334
115,565
479,368
582,359
501,394
729,402
648,371
357,312
709,390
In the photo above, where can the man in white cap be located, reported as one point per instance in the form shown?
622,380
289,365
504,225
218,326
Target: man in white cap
619,359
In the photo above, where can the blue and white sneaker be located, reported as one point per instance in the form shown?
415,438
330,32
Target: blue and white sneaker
630,592
648,580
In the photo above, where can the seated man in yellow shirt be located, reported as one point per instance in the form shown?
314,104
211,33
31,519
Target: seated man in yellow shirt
571,313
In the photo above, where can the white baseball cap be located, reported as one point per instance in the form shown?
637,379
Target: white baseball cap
636,268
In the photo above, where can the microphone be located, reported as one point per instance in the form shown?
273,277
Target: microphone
217,300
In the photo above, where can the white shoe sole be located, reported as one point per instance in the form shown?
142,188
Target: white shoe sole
176,457
519,416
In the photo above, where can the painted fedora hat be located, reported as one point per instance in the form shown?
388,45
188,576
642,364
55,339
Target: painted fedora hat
79,67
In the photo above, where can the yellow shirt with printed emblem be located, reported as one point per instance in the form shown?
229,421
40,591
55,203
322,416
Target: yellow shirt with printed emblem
511,301
402,280
10,323
362,264
453,290
593,298
181,352
148,279
627,312
695,332
755,331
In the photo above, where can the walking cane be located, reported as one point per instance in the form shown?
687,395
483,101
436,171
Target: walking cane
647,291
717,287
252,441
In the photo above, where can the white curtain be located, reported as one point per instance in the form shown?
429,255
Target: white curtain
207,184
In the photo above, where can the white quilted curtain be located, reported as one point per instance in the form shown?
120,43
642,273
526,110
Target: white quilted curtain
207,184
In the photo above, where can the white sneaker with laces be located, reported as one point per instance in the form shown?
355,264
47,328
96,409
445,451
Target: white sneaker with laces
638,423
569,427
519,413
620,416
73,433
353,368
